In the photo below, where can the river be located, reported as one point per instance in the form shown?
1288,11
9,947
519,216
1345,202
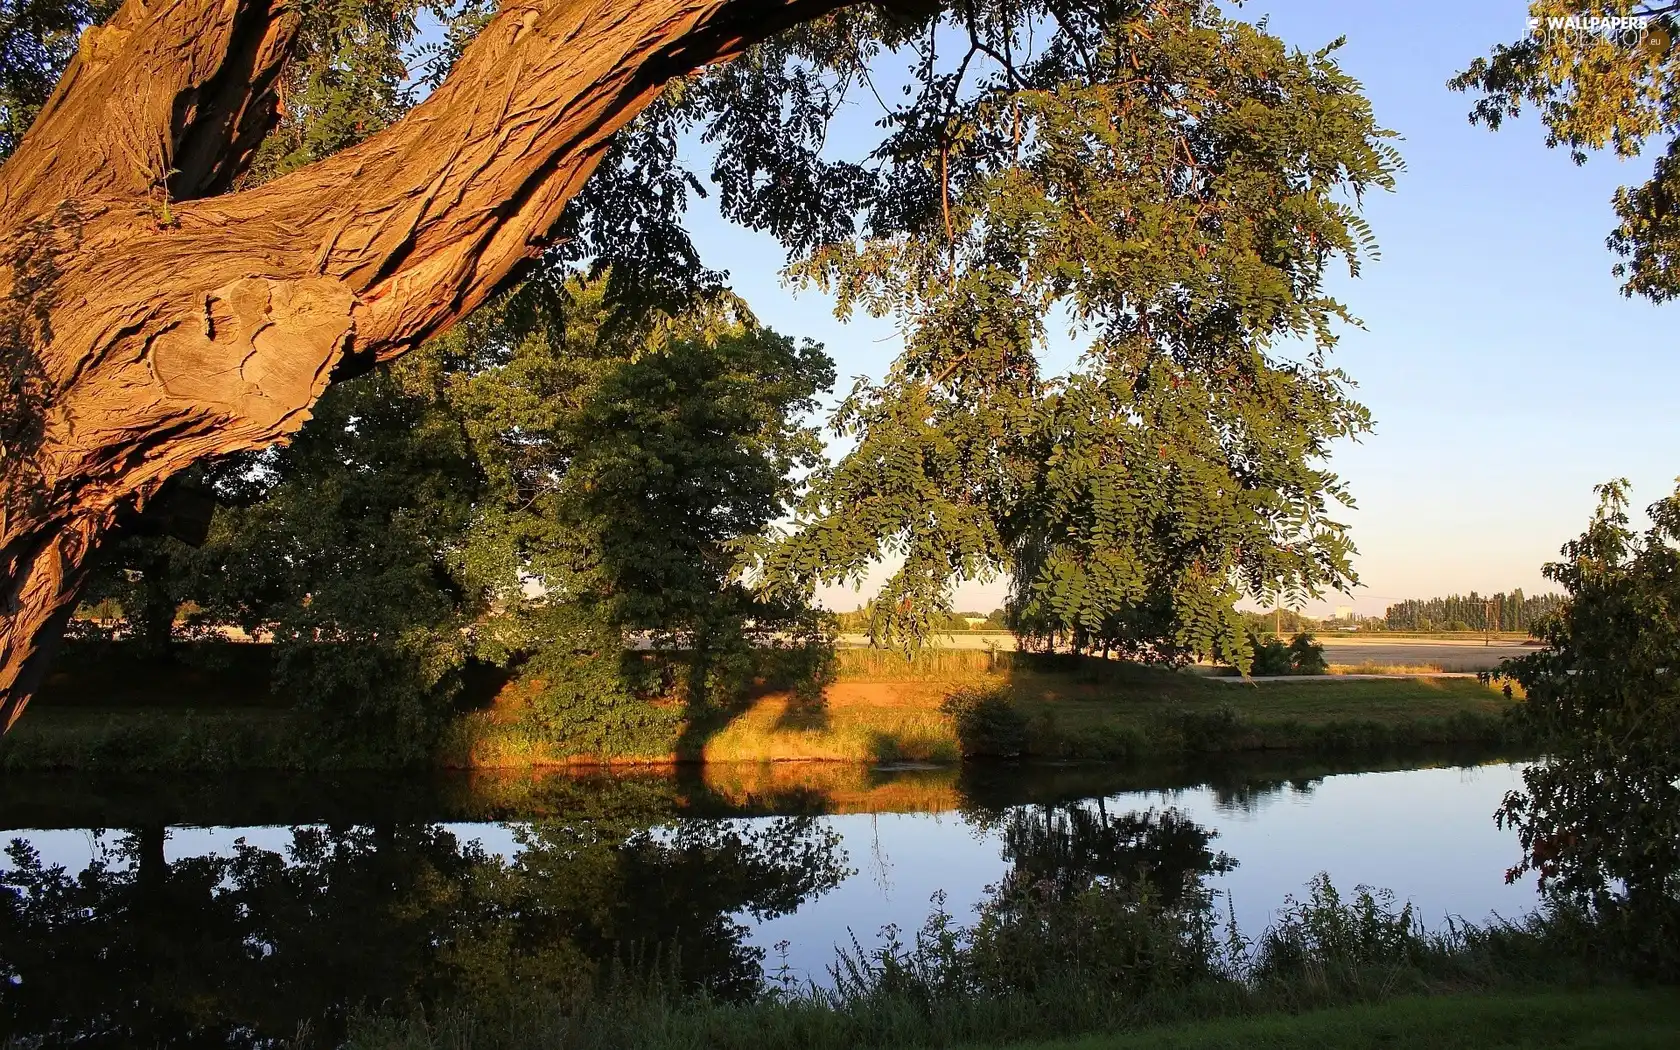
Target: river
246,907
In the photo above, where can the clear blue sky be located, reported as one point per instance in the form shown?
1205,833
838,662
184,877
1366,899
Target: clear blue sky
1506,372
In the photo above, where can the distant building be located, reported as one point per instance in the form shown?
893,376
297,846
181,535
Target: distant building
976,621
1344,612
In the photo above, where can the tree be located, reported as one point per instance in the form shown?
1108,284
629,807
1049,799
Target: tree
157,313
1136,499
527,491
1599,820
1155,168
1595,90
633,481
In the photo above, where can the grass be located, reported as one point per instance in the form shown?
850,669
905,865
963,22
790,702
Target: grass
881,707
1099,963
1114,712
1582,1019
153,739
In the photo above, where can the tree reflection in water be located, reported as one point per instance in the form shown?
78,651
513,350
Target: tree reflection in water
258,945
254,946
1064,849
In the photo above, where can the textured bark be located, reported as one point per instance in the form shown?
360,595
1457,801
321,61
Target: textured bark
147,322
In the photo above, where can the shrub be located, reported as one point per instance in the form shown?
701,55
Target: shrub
1321,935
1597,821
1306,656
987,723
1271,657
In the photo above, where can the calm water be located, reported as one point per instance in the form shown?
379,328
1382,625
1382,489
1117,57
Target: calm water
232,911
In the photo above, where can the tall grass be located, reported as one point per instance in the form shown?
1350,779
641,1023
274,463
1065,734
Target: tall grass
1037,964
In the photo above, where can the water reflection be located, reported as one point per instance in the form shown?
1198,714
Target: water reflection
406,896
236,948
1061,850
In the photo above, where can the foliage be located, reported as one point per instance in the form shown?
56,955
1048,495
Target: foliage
1175,182
1306,656
341,547
1272,657
987,723
1593,91
527,497
1599,821
1111,958
1322,932
632,483
1171,183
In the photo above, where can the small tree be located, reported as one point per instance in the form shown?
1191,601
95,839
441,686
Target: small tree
1599,821
1306,655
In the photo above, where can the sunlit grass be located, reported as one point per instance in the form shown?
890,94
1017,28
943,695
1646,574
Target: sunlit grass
1375,668
1119,711
883,707
854,724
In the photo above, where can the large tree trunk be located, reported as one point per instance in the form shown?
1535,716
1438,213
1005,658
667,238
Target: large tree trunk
149,318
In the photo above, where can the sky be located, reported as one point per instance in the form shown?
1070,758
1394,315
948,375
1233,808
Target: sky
1506,373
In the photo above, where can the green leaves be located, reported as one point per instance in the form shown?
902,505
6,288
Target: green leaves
1174,185
1600,819
1166,183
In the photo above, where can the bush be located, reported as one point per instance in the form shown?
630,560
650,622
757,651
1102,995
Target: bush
1271,657
1303,655
1323,934
1597,821
1306,656
1205,731
987,723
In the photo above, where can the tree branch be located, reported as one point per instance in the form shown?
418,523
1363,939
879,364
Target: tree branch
172,97
147,335
427,219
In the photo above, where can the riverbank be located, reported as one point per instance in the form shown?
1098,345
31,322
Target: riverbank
1093,965
1601,1017
880,707
1619,1017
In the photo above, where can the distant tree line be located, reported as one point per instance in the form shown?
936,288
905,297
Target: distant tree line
1471,612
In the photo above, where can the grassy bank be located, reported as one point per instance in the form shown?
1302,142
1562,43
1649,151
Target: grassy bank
1613,1017
1624,1018
1118,964
883,707
880,707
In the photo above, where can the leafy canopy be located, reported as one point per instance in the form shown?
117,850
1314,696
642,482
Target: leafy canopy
1170,184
